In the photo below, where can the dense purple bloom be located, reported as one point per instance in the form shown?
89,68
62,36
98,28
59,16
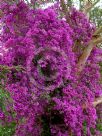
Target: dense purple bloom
46,90
49,68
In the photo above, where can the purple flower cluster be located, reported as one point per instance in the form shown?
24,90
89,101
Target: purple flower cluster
82,26
47,95
49,68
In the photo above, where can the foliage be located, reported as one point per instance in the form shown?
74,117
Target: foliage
96,16
7,130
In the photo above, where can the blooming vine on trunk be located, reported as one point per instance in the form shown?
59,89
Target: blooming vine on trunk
52,70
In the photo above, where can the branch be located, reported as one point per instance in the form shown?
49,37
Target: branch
8,68
97,101
63,6
89,5
84,57
96,39
98,31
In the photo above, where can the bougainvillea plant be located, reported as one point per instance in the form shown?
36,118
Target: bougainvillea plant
50,70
